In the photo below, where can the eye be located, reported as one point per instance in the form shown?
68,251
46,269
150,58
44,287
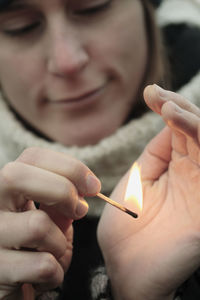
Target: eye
21,30
93,9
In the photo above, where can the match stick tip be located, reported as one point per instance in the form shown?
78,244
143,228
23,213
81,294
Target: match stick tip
132,214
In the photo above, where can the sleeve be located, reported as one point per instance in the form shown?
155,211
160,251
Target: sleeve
101,288
50,295
190,289
100,285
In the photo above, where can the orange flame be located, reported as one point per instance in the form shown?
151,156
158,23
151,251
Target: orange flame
133,193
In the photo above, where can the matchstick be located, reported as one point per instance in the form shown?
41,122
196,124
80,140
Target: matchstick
116,204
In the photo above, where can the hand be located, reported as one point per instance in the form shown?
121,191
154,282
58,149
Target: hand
36,245
149,257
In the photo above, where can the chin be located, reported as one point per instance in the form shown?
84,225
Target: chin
84,139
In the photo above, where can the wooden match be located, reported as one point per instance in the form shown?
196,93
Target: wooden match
116,204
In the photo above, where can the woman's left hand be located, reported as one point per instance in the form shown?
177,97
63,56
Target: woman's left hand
149,257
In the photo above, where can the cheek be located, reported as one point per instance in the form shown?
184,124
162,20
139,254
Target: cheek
18,76
129,44
123,55
12,71
122,46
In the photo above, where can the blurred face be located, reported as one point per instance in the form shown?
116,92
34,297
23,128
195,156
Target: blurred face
72,68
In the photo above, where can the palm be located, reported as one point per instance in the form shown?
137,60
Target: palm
154,249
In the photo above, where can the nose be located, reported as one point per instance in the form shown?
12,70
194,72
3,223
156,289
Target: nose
67,55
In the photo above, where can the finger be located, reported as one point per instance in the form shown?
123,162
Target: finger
179,144
181,120
65,260
155,159
179,114
30,267
186,127
21,182
37,231
82,177
155,97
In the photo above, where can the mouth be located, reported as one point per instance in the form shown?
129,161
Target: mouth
81,99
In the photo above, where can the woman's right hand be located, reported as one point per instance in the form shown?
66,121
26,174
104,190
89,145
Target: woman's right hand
36,244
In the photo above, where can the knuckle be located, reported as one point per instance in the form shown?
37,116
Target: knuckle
65,259
39,225
8,173
49,268
30,155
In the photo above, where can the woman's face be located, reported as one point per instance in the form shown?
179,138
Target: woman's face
72,68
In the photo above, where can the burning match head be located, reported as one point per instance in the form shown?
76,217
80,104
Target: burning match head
131,213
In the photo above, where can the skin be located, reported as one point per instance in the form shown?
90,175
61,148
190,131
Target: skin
150,257
70,52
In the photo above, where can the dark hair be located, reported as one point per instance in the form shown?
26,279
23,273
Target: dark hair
4,4
157,69
156,3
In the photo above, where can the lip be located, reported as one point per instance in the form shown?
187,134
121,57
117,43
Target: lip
82,99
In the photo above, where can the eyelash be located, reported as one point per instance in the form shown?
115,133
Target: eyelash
23,30
33,26
95,9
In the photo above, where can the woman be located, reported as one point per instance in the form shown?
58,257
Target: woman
75,60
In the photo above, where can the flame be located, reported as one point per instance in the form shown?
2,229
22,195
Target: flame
133,193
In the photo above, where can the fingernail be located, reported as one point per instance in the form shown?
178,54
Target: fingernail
162,93
82,208
93,185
